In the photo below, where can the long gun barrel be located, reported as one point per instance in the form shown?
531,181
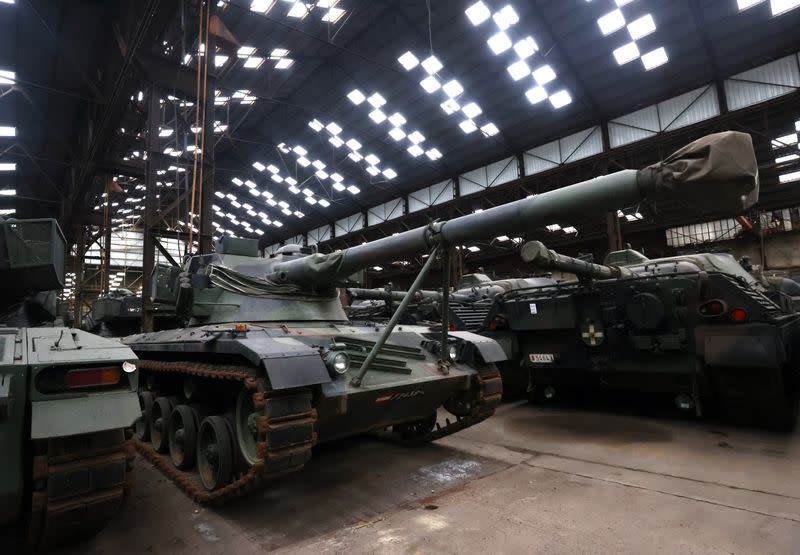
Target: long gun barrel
717,173
539,256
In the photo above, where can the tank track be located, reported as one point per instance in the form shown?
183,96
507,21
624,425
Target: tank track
285,434
489,394
58,515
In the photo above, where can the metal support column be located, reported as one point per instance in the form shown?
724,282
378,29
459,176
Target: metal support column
613,231
150,202
207,197
77,267
105,275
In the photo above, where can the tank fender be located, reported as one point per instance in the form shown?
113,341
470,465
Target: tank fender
84,415
749,346
489,349
296,370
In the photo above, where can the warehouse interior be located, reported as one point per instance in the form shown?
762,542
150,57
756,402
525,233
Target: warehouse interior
153,130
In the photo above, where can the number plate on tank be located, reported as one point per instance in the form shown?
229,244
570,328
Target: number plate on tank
543,357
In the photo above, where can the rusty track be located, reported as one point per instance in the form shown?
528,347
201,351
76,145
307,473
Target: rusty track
59,513
275,458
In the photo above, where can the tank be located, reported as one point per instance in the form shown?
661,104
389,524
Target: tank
698,327
67,398
115,315
269,365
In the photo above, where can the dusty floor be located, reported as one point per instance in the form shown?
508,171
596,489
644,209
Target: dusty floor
530,479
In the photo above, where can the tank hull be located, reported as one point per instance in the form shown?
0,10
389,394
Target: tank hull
66,452
403,391
652,334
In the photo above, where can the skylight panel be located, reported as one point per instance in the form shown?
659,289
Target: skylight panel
430,84
544,74
518,70
333,15
315,125
478,13
7,77
641,27
389,173
323,202
431,64
489,130
416,137
472,110
654,58
220,60
283,63
621,3
276,178
506,17
626,53
452,88
246,51
744,4
319,164
373,171
372,160
433,154
780,6
8,131
298,10
336,177
261,6
560,99
397,134
468,126
499,43
408,61
339,187
397,119
526,47
303,161
415,150
355,156
259,166
376,100
611,22
290,181
336,142
352,189
353,144
356,97
253,62
450,106
300,150
272,168
377,116
536,94
333,128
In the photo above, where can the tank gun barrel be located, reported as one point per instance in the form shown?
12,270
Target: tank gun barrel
421,296
717,173
538,255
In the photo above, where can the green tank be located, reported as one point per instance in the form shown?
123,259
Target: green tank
269,365
696,326
115,315
67,398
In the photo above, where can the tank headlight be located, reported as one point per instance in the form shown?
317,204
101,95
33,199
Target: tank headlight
338,362
453,352
128,367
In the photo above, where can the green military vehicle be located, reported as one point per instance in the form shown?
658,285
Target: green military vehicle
66,400
696,326
115,315
269,364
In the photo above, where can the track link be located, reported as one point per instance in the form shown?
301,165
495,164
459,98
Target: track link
78,488
286,432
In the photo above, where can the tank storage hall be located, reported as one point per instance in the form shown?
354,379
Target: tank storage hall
350,276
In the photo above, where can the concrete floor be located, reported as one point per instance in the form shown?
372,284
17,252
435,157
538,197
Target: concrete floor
530,479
